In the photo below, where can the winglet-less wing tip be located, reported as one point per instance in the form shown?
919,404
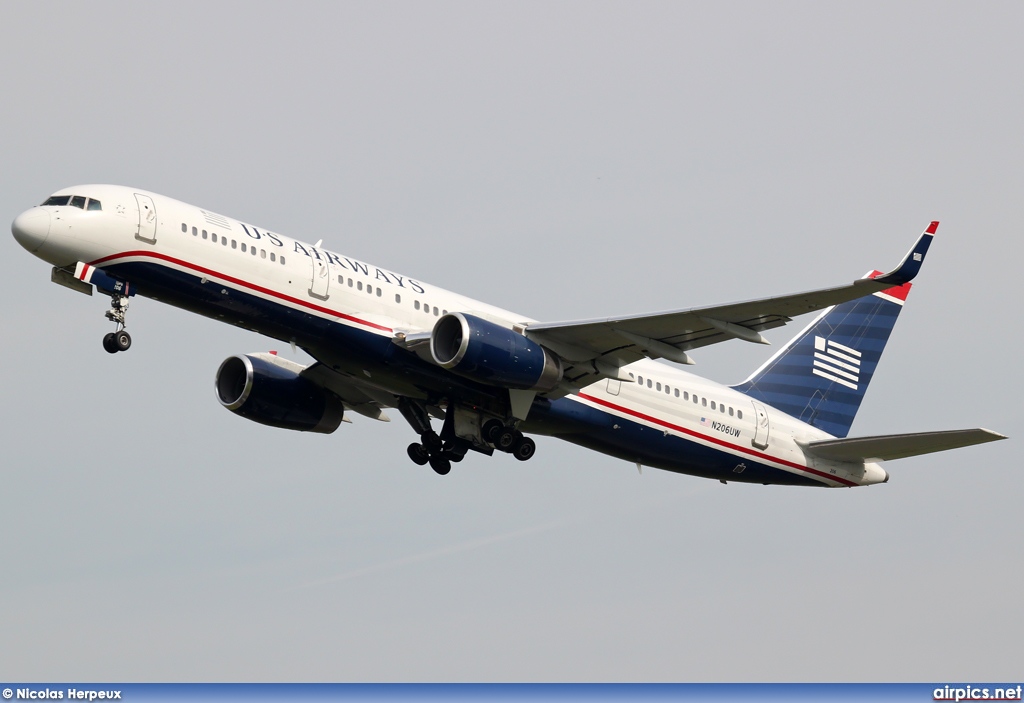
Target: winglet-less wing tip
911,264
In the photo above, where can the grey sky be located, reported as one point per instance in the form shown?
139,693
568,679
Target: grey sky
564,160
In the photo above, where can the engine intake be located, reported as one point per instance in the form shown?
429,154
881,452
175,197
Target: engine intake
492,354
273,394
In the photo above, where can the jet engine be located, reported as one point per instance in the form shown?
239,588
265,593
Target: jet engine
492,354
272,392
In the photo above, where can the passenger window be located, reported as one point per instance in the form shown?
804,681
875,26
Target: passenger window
712,405
730,411
704,402
194,232
273,256
253,250
282,259
97,205
350,283
416,304
224,241
184,227
398,298
739,414
668,391
640,380
341,280
243,247
378,292
78,201
694,399
57,200
435,311
686,395
359,285
213,236
204,235
677,392
263,253
234,244
649,384
721,408
659,385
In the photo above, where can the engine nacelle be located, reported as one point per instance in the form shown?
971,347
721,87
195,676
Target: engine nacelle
492,354
275,394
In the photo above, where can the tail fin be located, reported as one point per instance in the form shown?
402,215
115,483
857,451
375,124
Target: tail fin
821,375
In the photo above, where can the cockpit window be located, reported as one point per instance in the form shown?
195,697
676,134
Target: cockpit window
94,205
78,201
57,200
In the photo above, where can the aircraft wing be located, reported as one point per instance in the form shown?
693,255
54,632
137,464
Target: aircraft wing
898,446
367,402
599,346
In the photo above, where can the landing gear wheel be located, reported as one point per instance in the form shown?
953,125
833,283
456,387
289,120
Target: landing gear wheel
109,344
419,454
524,449
491,430
122,340
440,464
507,439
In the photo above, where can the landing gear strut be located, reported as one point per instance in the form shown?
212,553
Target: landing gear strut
120,340
431,449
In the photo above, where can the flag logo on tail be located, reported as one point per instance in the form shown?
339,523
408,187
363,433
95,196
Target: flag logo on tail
836,362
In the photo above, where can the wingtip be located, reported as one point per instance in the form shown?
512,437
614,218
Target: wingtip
932,227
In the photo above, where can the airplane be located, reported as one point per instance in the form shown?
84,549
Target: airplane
491,377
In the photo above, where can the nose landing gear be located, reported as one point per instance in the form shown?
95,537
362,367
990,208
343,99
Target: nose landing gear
120,340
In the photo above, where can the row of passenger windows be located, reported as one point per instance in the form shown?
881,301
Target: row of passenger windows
686,395
212,236
79,201
358,285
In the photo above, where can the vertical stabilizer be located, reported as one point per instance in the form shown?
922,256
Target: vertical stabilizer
821,375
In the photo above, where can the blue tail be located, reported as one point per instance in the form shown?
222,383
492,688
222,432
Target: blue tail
821,375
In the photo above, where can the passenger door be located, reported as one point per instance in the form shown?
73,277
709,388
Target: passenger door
762,426
321,281
147,219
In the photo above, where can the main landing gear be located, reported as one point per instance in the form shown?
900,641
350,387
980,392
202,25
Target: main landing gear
431,449
441,451
120,340
508,439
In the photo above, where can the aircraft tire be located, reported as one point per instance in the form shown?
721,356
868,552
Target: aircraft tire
507,439
109,344
491,430
524,449
419,454
440,464
122,340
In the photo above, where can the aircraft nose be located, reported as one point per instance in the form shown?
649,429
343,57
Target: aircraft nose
31,228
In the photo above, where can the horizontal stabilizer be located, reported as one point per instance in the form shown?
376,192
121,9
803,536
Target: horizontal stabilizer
898,446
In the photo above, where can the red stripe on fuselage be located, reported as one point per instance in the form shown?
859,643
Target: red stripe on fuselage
244,284
714,440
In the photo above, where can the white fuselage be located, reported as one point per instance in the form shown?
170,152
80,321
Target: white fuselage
233,258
